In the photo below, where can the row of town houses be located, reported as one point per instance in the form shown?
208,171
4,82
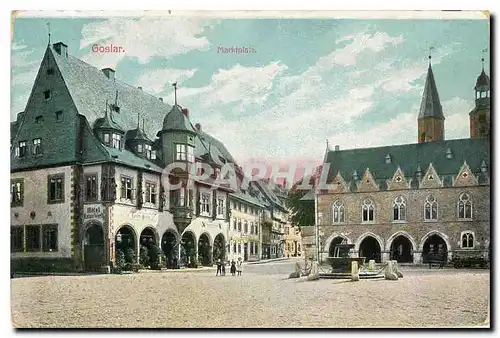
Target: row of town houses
88,179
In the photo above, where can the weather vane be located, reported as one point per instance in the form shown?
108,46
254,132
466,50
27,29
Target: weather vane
48,26
430,52
482,58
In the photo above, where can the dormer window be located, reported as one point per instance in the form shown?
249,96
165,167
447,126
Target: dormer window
47,94
116,141
388,159
153,155
106,138
449,154
39,119
147,150
50,71
139,148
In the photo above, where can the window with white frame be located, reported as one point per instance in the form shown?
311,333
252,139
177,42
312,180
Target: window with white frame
205,203
147,150
220,207
117,139
184,152
150,193
239,225
338,212
468,239
399,209
430,208
464,206
126,188
37,146
106,138
22,149
235,221
368,210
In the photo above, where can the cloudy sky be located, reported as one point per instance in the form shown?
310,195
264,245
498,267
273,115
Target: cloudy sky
355,82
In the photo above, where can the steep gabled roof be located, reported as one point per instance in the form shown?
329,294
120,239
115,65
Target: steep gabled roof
430,105
410,157
90,88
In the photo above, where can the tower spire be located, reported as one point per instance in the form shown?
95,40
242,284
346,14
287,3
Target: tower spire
142,124
48,26
175,93
138,120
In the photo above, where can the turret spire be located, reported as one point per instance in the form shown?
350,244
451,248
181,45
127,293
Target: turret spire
430,105
175,93
48,26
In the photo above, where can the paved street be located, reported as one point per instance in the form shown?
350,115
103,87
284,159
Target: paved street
262,297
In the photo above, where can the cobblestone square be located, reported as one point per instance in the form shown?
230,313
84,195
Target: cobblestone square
261,297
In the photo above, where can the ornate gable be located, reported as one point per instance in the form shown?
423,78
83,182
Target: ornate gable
431,179
339,184
367,183
465,177
398,181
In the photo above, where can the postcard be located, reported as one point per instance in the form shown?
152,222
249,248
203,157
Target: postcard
250,169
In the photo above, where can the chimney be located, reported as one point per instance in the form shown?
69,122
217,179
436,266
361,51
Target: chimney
337,148
186,112
61,48
161,99
198,126
110,73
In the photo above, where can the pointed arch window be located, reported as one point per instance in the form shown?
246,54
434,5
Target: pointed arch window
468,239
399,209
368,210
464,206
338,212
430,208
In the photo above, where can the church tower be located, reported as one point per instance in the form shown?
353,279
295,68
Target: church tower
480,115
430,117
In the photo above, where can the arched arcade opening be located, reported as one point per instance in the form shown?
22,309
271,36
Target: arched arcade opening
204,250
169,247
219,248
188,249
125,244
333,244
434,249
370,249
401,249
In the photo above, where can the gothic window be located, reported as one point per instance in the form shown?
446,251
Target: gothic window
399,209
464,206
430,208
468,239
368,210
338,212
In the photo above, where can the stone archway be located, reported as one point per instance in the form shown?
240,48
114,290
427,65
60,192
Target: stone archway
369,247
94,254
188,249
334,242
434,248
219,250
169,248
401,249
204,250
126,244
148,251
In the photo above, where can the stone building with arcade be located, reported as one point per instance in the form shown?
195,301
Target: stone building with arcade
416,201
88,178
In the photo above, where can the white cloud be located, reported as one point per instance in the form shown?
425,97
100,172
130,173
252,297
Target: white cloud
240,85
156,80
360,43
143,38
456,113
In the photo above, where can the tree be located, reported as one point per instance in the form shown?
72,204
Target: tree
301,212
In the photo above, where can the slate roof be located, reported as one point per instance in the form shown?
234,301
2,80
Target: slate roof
220,146
177,120
269,194
430,105
90,88
309,196
137,134
409,157
107,122
247,198
129,158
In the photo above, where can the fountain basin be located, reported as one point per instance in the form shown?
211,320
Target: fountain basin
343,264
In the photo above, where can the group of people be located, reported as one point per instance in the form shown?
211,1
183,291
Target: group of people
236,267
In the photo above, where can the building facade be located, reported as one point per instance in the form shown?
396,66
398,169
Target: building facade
89,184
411,202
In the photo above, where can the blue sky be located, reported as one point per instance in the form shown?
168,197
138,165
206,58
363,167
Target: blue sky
355,82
